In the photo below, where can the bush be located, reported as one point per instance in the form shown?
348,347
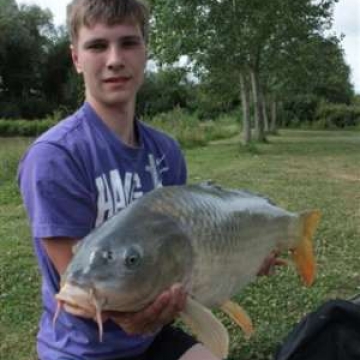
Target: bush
25,127
190,131
35,107
183,126
300,109
9,110
28,107
329,116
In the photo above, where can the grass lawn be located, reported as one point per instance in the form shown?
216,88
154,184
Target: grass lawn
298,170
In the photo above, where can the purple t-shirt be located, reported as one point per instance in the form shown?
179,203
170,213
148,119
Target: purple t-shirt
74,177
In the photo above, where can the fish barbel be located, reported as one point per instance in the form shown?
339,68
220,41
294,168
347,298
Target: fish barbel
197,235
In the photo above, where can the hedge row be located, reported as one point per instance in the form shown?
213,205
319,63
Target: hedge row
24,127
337,115
185,127
178,122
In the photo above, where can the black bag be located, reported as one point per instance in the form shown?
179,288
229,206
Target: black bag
330,333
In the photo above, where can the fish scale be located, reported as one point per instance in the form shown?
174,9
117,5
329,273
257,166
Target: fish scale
208,215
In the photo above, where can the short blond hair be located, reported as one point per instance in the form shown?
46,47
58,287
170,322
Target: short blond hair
89,12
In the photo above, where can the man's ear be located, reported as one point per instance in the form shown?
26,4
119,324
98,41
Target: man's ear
75,59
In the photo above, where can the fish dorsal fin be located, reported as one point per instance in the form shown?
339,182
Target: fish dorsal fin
209,185
207,182
206,327
239,315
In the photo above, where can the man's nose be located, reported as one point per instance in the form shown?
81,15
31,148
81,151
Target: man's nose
115,57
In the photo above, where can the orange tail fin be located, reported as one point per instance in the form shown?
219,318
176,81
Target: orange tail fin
303,254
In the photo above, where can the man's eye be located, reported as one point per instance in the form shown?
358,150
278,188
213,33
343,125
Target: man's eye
96,46
130,43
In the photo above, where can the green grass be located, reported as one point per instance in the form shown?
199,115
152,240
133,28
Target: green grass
298,169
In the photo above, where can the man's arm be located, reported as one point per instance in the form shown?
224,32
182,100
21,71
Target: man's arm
59,251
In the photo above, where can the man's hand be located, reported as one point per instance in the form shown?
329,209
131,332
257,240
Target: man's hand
268,266
162,311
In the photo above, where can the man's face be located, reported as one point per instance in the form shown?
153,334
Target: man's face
112,60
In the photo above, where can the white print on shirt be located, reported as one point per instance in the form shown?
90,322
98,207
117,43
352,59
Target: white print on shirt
115,193
156,170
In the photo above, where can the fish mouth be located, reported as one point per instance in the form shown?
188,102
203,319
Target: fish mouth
89,303
80,302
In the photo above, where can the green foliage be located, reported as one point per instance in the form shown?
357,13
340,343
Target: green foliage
170,88
36,71
356,100
310,110
10,109
306,69
329,116
279,39
63,86
30,107
212,98
10,128
24,41
299,109
181,125
185,127
190,132
164,90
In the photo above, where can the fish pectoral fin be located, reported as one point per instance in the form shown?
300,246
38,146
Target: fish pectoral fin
239,315
206,327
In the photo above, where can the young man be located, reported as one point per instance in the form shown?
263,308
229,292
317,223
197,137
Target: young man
91,165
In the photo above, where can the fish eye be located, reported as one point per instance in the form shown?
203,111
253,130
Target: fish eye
132,258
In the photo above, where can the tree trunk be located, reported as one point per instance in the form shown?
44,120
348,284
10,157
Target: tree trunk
259,121
264,112
246,123
273,124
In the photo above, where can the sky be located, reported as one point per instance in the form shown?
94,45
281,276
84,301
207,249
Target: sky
346,22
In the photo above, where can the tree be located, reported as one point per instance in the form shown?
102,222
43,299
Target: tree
235,36
164,89
61,84
23,42
308,72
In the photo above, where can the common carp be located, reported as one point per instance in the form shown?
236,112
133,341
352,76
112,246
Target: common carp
211,239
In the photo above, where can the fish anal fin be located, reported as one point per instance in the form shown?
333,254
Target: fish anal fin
206,327
239,316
